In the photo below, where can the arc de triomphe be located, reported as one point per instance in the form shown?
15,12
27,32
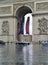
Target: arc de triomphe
10,20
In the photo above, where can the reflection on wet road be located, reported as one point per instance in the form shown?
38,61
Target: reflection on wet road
23,54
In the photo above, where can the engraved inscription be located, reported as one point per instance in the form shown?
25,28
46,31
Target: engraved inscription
43,6
6,10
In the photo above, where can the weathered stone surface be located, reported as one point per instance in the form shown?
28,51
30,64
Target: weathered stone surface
5,28
11,1
42,27
42,6
42,16
5,10
17,6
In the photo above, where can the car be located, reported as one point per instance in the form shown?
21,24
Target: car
22,43
43,42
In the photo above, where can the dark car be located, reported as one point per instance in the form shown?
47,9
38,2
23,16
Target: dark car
22,43
2,42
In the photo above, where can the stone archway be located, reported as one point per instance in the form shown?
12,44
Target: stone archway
20,14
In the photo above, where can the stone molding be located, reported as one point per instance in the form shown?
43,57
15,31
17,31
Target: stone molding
6,10
18,5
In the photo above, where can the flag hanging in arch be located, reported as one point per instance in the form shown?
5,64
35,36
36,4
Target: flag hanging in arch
26,25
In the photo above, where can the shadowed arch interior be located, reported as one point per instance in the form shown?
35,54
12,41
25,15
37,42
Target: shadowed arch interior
22,11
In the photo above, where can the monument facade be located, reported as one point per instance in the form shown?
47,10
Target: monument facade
11,15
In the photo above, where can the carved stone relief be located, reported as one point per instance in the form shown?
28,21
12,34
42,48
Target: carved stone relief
42,27
5,28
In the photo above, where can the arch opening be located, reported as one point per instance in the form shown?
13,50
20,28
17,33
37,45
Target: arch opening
21,12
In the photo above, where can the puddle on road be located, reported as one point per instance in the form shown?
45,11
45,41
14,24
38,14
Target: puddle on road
23,54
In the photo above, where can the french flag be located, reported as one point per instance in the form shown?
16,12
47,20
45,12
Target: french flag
26,25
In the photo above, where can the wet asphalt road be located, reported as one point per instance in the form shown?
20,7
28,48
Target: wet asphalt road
33,54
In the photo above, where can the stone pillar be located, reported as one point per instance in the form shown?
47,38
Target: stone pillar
15,29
